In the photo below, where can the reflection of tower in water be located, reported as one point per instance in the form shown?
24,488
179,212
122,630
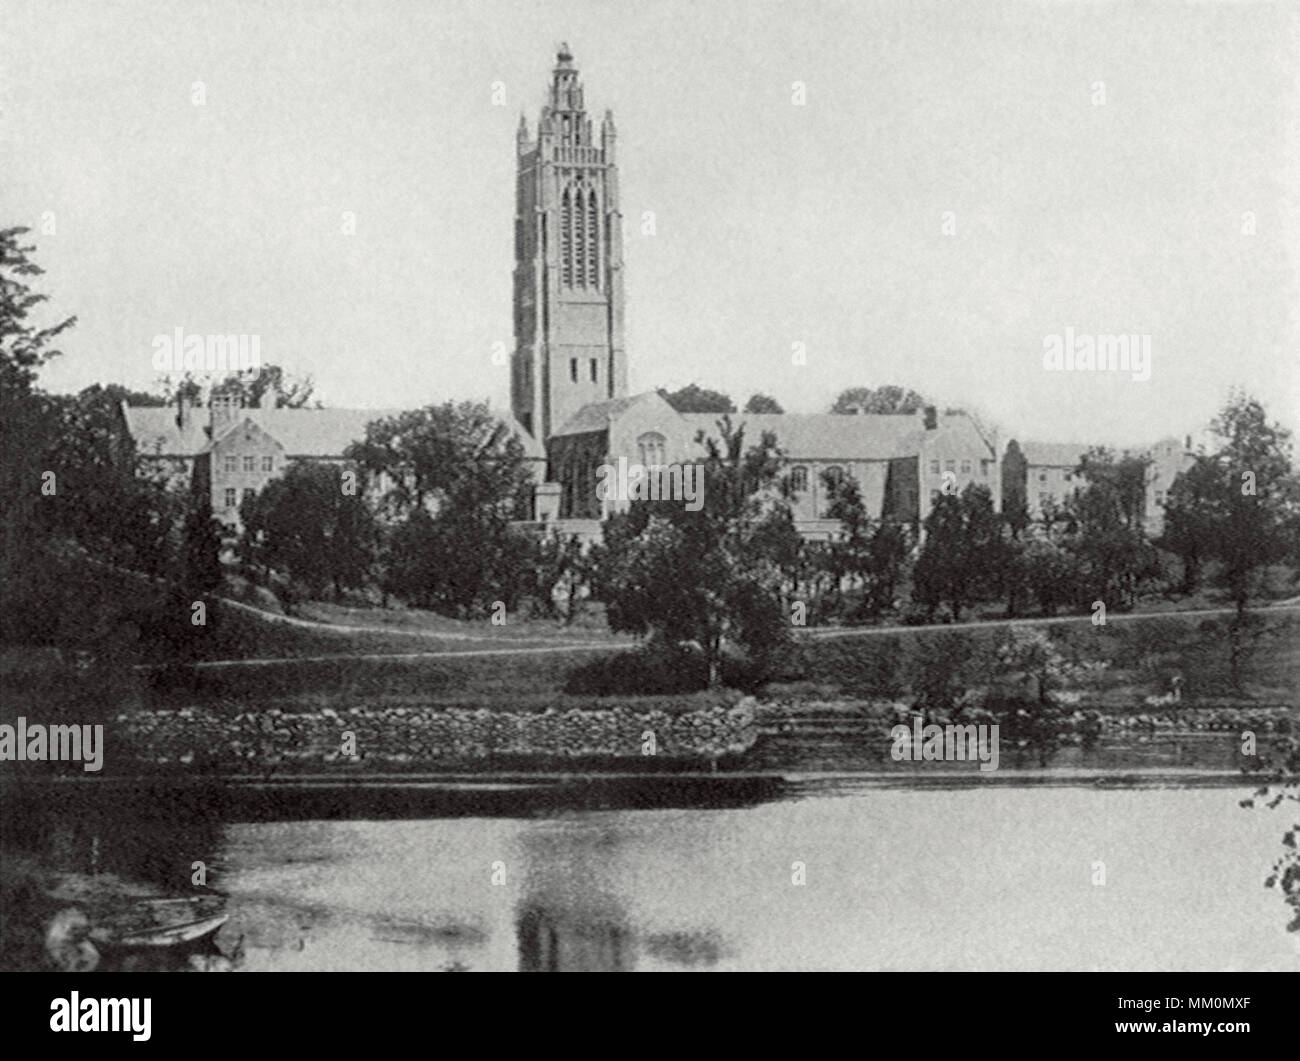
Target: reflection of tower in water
568,918
555,941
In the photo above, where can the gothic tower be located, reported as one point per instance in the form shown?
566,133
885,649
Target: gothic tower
568,288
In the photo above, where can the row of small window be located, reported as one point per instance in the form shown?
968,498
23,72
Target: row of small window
966,467
573,369
232,496
250,464
1066,476
799,477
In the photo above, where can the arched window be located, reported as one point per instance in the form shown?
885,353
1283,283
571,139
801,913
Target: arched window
579,238
834,474
566,239
651,447
593,240
799,479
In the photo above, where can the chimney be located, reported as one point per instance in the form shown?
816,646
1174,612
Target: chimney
222,410
930,417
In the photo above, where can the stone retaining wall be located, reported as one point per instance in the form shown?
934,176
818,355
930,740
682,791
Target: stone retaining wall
430,735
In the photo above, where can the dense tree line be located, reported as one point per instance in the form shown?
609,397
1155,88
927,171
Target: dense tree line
78,503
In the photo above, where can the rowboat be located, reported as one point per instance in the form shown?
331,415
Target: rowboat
161,923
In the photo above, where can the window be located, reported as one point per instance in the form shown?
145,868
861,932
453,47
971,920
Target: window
934,467
1042,477
593,240
566,239
573,369
248,492
250,464
799,479
1069,478
965,467
230,497
934,497
834,474
1044,500
985,465
1160,497
950,466
231,463
651,449
268,464
594,377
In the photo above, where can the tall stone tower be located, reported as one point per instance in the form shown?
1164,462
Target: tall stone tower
568,287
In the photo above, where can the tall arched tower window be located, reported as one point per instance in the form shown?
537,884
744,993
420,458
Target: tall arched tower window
566,238
579,242
593,240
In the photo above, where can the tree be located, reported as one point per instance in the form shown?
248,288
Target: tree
696,399
202,548
1028,697
451,476
268,388
1051,574
886,399
871,554
1249,498
963,554
104,501
26,431
307,524
558,564
1015,503
442,454
1104,529
1280,770
762,403
713,576
1190,525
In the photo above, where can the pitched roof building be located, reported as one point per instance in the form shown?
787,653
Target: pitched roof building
230,452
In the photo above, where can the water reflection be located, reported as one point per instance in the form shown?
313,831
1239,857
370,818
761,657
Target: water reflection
984,877
570,917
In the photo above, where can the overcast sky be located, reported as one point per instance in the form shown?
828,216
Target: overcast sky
774,223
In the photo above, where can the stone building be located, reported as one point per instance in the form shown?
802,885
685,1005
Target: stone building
569,372
230,452
1044,472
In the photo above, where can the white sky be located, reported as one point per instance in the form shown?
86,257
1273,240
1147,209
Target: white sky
775,223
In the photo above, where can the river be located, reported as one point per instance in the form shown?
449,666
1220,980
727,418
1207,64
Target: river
833,874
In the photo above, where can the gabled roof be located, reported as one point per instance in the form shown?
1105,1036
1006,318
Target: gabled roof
154,430
596,416
318,433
